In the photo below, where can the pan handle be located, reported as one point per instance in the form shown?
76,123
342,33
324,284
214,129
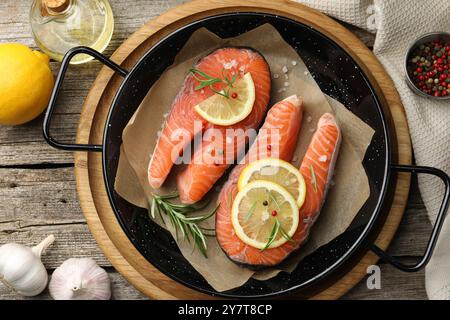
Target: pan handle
436,228
59,80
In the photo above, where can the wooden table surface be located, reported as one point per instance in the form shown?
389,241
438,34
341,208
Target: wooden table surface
37,187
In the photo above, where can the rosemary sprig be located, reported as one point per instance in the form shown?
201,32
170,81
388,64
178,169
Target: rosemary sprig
285,235
208,81
228,81
273,234
186,225
277,228
313,177
274,200
250,212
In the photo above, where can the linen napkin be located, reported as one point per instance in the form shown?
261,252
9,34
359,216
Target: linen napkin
397,24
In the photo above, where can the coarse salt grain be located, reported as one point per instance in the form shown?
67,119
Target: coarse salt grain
309,119
286,84
323,158
265,215
294,63
285,69
281,90
276,75
229,65
312,130
306,73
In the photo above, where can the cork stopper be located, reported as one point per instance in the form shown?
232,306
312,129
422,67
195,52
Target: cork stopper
52,7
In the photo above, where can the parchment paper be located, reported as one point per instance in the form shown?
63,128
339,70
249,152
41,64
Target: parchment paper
346,197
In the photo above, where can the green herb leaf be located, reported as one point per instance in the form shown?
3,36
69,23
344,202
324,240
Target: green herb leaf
273,234
195,71
221,92
313,177
167,196
285,235
153,208
185,225
233,80
250,212
209,81
274,200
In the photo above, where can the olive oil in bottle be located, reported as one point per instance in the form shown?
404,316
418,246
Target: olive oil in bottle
59,25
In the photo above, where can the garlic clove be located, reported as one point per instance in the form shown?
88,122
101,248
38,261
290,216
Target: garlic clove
21,269
80,279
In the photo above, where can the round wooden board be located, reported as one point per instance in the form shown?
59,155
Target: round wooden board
88,166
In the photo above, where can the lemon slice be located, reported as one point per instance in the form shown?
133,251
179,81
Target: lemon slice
256,211
224,111
278,171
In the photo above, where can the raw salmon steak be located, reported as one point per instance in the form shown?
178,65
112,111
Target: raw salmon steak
317,169
283,121
183,123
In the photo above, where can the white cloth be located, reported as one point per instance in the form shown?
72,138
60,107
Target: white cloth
398,24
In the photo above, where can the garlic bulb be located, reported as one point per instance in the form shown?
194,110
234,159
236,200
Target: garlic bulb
80,279
21,269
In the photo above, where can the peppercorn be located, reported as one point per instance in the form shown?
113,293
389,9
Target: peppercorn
429,67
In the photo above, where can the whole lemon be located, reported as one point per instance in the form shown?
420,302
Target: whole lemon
26,83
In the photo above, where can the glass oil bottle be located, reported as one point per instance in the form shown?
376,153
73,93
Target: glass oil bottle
59,25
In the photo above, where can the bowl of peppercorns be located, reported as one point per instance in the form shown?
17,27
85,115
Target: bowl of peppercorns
428,66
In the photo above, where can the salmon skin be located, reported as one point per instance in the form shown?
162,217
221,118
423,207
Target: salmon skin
183,123
285,119
317,169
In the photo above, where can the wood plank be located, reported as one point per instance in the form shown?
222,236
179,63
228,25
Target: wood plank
73,240
32,200
25,144
88,168
121,289
31,210
394,285
31,197
35,203
415,229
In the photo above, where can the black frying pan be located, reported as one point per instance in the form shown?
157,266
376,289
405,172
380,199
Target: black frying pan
339,76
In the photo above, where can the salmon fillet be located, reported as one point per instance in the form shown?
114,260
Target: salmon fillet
321,156
180,128
285,117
